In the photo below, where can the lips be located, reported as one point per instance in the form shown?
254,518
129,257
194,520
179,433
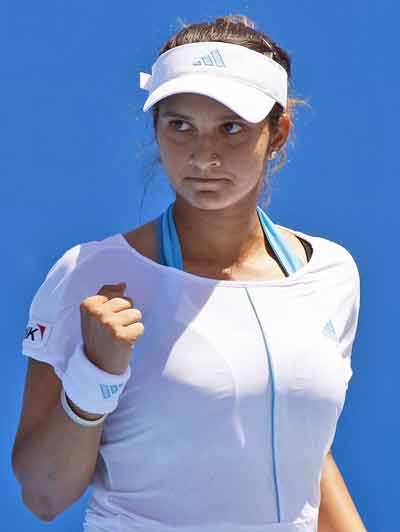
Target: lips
204,180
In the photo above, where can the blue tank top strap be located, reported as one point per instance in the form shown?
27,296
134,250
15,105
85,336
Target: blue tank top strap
169,249
171,244
159,236
288,260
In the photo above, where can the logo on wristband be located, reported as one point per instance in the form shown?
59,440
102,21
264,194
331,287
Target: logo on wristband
108,390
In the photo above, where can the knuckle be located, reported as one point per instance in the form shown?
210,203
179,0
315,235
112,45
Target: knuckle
115,333
122,300
121,336
96,313
138,329
129,301
102,317
84,304
136,314
91,302
106,321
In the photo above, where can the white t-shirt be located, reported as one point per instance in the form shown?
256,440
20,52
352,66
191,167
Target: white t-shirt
235,392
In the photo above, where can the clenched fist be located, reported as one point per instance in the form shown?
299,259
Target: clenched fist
110,328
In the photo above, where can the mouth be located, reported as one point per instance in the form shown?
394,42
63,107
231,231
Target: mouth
204,180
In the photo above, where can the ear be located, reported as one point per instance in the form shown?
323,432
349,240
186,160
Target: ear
282,131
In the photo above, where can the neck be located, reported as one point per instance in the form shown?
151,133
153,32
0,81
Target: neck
222,237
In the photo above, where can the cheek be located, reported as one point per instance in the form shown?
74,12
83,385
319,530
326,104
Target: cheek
170,152
260,151
247,159
253,148
174,159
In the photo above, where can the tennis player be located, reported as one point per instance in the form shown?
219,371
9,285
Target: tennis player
192,371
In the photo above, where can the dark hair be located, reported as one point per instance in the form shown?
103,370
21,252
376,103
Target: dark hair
239,29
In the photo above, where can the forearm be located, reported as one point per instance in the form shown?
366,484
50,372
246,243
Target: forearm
337,512
54,463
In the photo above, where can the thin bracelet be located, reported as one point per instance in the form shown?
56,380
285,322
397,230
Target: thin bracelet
77,419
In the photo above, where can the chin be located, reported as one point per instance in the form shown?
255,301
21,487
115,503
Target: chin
208,201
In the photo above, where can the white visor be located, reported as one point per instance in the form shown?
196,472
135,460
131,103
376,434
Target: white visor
247,82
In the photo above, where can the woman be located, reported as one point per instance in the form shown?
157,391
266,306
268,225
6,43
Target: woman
219,413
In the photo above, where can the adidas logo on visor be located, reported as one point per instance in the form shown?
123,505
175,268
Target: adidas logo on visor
213,59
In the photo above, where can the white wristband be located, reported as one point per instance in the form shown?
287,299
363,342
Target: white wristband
91,388
77,419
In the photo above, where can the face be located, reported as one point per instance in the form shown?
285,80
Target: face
213,157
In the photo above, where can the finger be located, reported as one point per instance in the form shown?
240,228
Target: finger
93,302
118,303
131,332
129,316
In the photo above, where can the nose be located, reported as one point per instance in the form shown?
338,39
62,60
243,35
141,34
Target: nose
204,156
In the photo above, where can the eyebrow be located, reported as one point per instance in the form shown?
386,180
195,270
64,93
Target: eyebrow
172,114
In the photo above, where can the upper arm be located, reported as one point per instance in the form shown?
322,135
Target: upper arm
54,328
41,394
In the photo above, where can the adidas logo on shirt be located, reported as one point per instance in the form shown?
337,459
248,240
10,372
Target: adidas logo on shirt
213,59
329,331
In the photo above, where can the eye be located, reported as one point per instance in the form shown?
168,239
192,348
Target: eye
177,123
233,130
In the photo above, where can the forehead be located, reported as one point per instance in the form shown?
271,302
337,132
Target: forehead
196,104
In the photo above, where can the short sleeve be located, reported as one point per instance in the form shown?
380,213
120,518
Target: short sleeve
348,332
53,326
54,322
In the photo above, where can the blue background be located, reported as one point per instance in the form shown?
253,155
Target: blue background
76,152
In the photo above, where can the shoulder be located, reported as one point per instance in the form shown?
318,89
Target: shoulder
143,239
49,296
337,255
77,263
332,256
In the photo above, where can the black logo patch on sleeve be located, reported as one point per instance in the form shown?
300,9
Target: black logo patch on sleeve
37,333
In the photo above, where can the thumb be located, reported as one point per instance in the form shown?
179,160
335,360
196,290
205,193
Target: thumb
110,288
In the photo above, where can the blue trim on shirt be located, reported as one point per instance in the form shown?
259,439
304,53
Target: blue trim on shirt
169,248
